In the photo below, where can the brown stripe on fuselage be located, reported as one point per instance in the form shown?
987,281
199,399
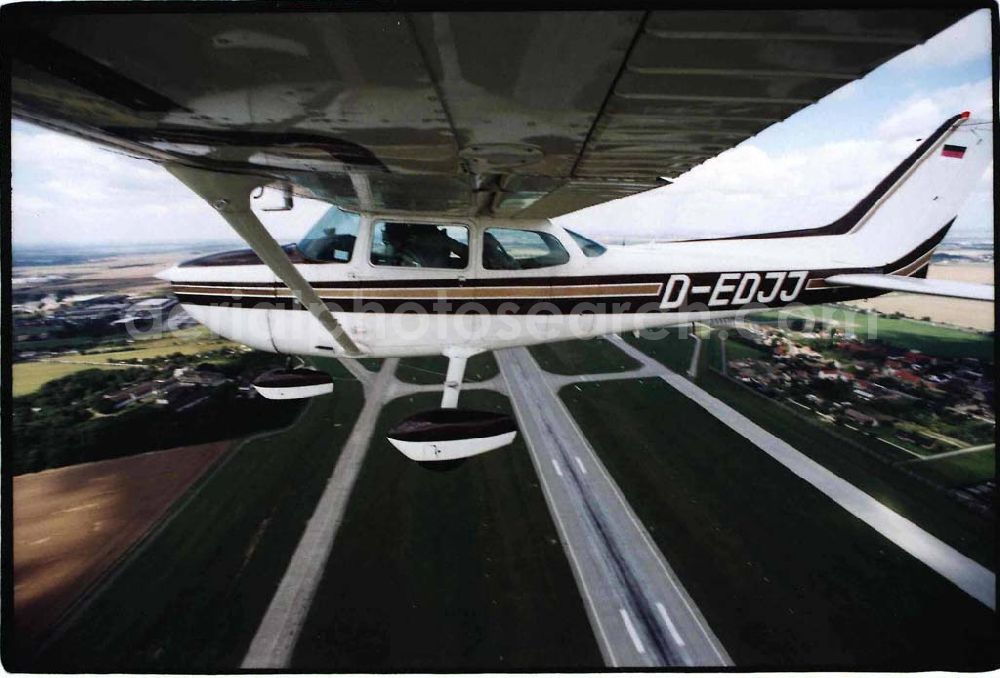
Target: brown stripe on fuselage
915,266
512,292
907,271
235,291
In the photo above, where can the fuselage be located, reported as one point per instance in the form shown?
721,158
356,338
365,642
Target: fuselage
392,307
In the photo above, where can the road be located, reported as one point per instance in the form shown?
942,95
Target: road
641,614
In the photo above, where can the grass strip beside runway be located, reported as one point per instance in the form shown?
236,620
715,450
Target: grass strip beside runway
784,576
457,569
842,451
432,369
582,356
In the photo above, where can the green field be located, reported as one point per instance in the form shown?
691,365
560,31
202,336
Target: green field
947,342
191,599
844,452
582,356
143,351
371,364
962,469
432,369
735,350
446,570
785,577
672,350
26,378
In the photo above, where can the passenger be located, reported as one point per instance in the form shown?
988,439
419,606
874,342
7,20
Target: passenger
398,237
434,247
423,245
495,257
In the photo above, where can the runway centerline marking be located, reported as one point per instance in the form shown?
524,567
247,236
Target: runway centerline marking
555,465
631,632
575,560
670,625
579,462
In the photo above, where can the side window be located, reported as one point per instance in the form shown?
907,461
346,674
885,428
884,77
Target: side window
511,249
396,243
332,237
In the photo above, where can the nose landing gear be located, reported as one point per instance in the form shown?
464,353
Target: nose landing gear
449,433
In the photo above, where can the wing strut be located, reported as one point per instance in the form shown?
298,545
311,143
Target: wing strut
229,195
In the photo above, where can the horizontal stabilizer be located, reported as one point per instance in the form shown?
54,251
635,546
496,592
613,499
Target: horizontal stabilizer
899,283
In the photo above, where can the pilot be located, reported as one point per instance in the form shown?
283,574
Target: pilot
424,245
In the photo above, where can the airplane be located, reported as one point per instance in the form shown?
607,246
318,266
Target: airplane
446,142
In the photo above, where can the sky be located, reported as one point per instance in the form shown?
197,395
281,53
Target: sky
805,171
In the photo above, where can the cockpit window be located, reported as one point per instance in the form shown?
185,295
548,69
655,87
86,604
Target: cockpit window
332,237
511,249
420,245
590,247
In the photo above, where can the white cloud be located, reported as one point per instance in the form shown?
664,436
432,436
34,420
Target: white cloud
747,188
69,190
962,42
921,113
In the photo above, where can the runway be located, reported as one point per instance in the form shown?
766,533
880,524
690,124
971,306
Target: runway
641,615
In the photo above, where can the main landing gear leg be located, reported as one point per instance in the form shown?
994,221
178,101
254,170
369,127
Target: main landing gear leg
449,434
453,381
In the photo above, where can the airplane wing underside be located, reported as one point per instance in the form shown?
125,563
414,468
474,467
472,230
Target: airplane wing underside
510,114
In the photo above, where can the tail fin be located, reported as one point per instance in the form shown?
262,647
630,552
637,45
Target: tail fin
917,201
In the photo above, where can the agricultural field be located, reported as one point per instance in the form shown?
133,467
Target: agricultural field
71,524
783,575
582,356
191,598
958,312
462,566
28,377
432,369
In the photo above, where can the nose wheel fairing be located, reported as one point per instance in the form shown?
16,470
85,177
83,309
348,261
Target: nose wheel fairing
446,434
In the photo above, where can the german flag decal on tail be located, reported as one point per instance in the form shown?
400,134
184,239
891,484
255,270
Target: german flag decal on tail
950,151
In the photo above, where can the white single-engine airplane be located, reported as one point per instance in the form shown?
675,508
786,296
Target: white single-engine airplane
447,140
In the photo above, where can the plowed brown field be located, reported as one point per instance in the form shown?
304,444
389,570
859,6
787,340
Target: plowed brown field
72,523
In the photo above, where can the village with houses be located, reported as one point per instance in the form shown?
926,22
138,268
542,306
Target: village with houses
924,406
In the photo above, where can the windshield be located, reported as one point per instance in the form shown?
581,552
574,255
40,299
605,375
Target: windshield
591,248
332,237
